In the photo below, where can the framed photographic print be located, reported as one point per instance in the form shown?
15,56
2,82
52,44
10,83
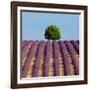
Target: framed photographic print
48,44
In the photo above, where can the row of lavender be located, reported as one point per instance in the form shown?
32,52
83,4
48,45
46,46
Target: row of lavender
49,58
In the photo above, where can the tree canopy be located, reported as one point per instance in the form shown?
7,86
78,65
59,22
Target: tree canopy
52,32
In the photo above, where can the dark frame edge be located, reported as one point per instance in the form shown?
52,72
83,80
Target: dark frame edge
85,44
13,44
49,5
53,84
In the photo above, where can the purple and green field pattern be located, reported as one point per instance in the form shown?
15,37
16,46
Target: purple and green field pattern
49,58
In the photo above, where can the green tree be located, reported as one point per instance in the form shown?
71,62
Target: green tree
52,32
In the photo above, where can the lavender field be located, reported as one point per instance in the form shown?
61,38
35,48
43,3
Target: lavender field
49,58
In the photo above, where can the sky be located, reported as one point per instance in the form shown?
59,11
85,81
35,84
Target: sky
34,25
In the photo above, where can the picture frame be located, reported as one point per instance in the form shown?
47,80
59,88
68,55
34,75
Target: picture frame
16,38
